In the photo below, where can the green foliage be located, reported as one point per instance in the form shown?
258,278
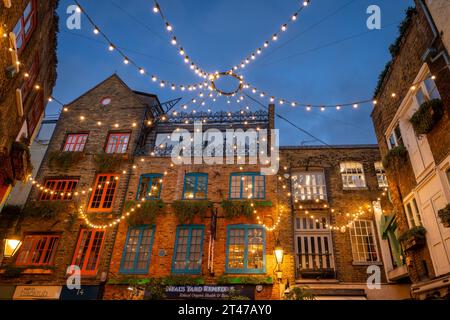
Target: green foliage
146,214
415,232
48,209
108,162
21,160
394,49
300,293
234,295
238,208
186,210
429,113
395,158
245,280
64,160
444,214
12,271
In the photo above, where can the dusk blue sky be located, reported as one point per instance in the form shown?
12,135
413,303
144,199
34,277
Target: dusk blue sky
328,59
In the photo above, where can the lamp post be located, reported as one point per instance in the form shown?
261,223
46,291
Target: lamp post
279,255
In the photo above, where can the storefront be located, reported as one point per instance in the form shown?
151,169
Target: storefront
37,293
84,293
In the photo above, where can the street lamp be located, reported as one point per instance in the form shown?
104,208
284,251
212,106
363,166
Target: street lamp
279,255
12,244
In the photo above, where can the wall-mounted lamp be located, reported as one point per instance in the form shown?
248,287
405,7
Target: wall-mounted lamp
12,245
279,255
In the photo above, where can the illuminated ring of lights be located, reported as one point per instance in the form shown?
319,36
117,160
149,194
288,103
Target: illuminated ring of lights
229,74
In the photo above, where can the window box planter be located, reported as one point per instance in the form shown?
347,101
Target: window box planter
109,162
145,214
187,210
256,280
413,238
444,214
241,208
49,209
21,161
64,160
427,116
395,158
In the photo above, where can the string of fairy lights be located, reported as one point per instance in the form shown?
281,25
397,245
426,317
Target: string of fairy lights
208,83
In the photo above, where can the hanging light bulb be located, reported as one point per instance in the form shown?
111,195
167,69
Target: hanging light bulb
168,27
294,17
274,37
174,41
266,44
126,61
111,47
305,3
96,31
156,8
141,71
284,27
186,59
154,78
182,51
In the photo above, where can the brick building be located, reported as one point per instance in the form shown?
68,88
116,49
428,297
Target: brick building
28,61
338,211
411,120
110,148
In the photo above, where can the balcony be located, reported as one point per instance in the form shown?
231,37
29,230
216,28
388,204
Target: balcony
398,273
315,266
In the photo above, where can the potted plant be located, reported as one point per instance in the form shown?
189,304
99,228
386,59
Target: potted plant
21,160
444,214
413,238
427,116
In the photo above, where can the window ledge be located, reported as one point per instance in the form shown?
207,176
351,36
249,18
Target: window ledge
355,189
368,263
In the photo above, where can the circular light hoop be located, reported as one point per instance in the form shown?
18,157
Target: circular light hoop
229,74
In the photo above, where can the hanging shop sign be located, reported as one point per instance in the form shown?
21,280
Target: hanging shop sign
208,291
7,292
37,293
84,293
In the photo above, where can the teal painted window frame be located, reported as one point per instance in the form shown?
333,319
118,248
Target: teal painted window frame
241,186
246,228
196,176
135,270
190,228
153,177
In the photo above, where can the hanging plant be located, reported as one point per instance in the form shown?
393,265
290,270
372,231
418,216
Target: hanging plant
21,160
413,238
257,280
395,158
108,162
239,208
146,214
186,210
427,116
444,214
64,160
48,209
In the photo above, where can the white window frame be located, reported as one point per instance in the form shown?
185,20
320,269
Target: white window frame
412,212
310,189
345,168
381,174
356,255
396,135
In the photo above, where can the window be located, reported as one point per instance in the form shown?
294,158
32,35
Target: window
362,236
195,186
309,186
187,256
245,249
353,175
150,186
381,175
412,213
448,175
247,185
164,145
87,253
59,189
395,138
25,26
104,191
313,244
75,142
431,89
138,250
34,115
117,142
28,82
38,250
